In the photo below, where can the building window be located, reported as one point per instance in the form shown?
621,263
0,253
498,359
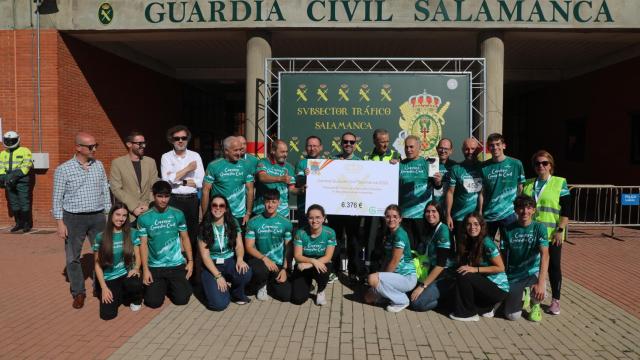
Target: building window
576,139
635,139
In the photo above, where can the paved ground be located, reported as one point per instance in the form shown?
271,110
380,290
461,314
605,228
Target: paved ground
599,318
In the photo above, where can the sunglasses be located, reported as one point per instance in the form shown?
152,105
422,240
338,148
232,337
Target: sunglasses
218,206
90,147
348,142
180,138
140,143
543,163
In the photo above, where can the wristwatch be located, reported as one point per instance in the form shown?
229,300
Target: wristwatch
184,182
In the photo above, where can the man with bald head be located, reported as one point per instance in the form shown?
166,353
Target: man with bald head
230,178
465,183
81,199
275,172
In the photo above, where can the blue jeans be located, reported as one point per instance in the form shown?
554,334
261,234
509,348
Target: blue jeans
494,226
394,287
218,300
429,298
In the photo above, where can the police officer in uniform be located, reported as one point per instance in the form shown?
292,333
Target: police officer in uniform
15,165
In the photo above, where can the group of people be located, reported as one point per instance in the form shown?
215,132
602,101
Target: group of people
229,226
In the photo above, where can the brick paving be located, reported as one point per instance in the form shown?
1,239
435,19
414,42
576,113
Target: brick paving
599,319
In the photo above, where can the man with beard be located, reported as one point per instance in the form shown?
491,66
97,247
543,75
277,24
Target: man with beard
276,173
133,175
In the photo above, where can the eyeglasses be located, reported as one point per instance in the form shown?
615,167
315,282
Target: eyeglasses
543,163
140,143
91,147
348,142
443,149
218,206
180,138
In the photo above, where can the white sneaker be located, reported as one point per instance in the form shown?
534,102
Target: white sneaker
492,313
135,307
332,278
262,294
321,299
396,308
470,318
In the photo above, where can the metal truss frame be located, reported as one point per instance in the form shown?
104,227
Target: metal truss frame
268,89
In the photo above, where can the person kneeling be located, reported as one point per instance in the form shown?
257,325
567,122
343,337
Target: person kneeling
220,235
313,248
117,264
163,266
481,283
399,276
526,250
267,241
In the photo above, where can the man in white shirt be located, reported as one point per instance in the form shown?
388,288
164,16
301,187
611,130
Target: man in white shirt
183,169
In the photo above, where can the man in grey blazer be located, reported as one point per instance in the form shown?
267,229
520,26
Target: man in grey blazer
132,176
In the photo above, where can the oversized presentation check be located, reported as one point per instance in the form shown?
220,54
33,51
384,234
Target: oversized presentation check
352,187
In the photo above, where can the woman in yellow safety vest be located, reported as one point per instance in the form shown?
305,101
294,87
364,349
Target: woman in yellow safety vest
553,206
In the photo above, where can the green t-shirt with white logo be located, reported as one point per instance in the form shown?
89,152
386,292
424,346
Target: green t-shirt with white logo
250,162
162,230
400,240
415,192
273,169
466,178
219,248
490,252
522,247
314,247
229,180
500,182
118,268
438,237
444,169
270,235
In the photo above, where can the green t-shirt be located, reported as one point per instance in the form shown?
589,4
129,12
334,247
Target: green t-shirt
415,192
273,169
441,195
229,180
250,162
500,182
220,249
400,240
490,252
522,247
314,247
466,178
118,268
437,238
270,235
162,230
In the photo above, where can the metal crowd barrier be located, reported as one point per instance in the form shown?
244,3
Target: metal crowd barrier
605,206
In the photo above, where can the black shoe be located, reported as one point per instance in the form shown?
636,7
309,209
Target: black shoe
19,225
27,222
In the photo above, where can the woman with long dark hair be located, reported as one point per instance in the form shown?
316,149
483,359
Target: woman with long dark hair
481,283
222,255
399,275
437,248
117,264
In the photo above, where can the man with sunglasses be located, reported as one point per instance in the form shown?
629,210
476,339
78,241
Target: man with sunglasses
133,175
346,226
81,199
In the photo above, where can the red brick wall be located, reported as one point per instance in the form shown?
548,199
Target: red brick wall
83,89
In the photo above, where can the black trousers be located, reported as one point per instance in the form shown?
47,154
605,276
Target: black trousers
301,283
190,206
555,271
475,294
124,290
416,229
262,276
168,281
350,227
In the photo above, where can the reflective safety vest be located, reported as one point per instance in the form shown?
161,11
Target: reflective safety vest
19,158
547,203
389,155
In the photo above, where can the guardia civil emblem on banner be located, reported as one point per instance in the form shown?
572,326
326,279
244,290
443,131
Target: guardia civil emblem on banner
422,115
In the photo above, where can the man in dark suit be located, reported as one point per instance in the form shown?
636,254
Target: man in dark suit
133,175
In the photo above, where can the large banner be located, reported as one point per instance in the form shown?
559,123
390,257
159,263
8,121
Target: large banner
345,187
427,105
